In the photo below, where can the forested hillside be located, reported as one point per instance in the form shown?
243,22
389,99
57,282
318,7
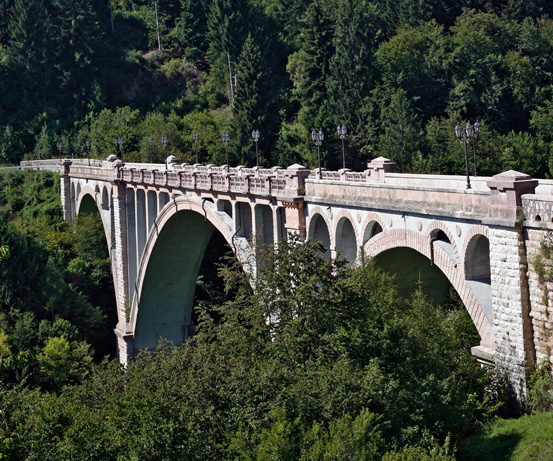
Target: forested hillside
398,74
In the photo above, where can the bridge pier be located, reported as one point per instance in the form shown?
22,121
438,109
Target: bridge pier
514,347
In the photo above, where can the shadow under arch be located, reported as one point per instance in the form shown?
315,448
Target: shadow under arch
102,292
420,246
162,301
320,231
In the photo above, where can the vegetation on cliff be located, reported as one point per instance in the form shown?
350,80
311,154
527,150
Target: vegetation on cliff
399,75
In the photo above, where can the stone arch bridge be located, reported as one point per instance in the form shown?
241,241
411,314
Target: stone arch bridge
158,220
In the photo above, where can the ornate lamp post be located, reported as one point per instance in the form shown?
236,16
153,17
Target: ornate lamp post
318,140
476,127
342,131
59,145
87,145
255,136
150,142
196,137
226,139
119,147
164,142
464,135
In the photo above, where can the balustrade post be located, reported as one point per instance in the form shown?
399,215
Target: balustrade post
292,201
378,167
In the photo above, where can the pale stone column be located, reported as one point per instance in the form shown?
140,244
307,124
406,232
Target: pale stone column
293,201
65,182
514,348
119,253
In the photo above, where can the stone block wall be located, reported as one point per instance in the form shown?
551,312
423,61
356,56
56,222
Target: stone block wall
514,349
541,293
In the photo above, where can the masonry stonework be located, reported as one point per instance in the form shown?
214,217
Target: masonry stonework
499,223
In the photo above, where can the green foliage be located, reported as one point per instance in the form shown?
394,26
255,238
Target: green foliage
56,283
524,439
540,389
318,362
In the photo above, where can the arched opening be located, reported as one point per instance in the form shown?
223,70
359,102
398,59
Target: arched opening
95,266
372,229
414,270
244,217
477,272
439,238
264,225
224,206
165,306
346,242
318,230
88,205
105,199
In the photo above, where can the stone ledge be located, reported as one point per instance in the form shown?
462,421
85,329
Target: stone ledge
484,355
501,222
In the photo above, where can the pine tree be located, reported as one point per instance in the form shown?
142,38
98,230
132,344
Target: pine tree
351,68
309,69
191,29
248,110
78,50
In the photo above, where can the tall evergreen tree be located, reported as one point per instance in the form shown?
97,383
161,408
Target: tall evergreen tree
191,29
309,69
79,43
248,110
351,68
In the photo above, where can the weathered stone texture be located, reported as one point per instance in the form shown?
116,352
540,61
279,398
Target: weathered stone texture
541,295
511,306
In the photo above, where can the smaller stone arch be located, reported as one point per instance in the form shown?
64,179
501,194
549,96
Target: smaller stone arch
345,236
394,238
440,235
105,198
319,229
84,192
372,226
478,271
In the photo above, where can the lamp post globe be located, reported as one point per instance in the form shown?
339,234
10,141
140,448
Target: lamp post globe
342,132
256,135
226,139
195,138
318,138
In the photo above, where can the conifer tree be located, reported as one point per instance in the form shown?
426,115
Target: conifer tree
191,28
78,49
248,110
309,69
351,68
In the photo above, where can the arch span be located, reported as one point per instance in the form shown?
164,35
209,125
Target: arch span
164,292
409,239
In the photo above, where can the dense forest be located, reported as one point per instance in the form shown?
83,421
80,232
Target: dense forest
398,74
312,359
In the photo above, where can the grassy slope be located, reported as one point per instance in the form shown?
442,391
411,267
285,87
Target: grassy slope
527,438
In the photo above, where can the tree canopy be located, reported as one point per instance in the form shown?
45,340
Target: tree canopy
399,75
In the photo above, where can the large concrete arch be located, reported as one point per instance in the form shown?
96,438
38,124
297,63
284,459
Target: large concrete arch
390,239
164,292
